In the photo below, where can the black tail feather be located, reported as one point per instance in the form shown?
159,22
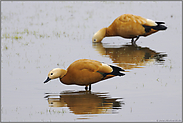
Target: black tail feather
116,68
159,27
116,71
160,23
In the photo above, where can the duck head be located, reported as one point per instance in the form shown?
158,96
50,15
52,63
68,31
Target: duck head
99,35
55,73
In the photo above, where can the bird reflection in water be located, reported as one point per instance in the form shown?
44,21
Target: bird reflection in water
129,56
85,102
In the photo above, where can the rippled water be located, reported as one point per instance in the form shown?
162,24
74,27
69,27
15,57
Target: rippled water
39,36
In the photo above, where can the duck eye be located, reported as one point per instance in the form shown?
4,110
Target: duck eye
51,73
95,40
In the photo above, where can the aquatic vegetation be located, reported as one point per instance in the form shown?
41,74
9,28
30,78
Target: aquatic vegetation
17,37
55,112
6,47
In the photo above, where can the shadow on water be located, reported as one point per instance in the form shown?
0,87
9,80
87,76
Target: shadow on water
85,102
129,56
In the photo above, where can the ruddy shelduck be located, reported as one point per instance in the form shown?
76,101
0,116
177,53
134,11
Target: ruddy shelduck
129,26
84,72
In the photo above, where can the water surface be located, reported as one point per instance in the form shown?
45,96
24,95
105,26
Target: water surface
39,36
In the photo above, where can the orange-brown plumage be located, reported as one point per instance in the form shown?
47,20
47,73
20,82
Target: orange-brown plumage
129,26
84,72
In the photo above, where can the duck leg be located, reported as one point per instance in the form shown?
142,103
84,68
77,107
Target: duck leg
136,38
90,87
86,88
134,42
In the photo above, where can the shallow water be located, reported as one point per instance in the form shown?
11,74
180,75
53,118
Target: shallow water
39,36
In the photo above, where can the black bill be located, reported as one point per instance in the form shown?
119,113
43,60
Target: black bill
48,79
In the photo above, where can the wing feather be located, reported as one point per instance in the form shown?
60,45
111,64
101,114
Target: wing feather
137,19
90,65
